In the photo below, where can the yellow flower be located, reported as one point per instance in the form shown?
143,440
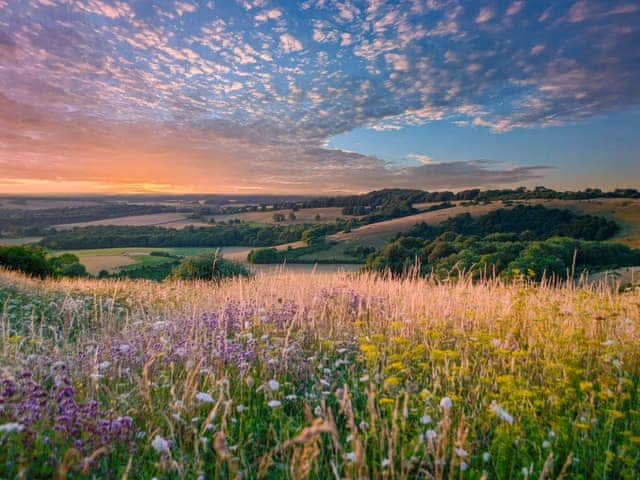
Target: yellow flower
395,366
586,386
615,414
391,382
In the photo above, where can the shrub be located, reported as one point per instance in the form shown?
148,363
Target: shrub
209,266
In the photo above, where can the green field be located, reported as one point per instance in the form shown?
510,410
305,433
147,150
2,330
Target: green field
113,259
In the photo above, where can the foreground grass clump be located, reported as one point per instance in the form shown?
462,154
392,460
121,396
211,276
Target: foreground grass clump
317,376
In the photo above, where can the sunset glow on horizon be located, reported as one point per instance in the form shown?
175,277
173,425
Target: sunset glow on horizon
317,96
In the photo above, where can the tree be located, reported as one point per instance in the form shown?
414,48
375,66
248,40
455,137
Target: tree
292,216
209,266
26,259
278,217
313,235
264,255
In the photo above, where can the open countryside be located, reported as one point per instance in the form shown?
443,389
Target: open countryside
319,239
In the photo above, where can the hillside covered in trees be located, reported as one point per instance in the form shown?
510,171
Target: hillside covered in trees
527,240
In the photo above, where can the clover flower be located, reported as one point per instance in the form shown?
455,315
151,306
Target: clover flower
446,403
274,386
204,397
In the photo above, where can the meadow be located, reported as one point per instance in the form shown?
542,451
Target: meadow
331,375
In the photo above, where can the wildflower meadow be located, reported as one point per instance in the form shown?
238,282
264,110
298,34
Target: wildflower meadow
295,376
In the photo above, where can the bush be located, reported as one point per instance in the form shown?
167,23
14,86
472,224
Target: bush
208,266
26,259
265,255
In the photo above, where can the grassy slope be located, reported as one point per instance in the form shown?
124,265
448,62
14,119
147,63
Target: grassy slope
542,378
624,211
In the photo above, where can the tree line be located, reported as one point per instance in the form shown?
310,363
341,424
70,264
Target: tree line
252,235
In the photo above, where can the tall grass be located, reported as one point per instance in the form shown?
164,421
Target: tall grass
318,376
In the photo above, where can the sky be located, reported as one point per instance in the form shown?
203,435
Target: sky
317,96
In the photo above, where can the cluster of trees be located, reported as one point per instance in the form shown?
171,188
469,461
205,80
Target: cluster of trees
501,254
526,240
34,261
281,217
540,222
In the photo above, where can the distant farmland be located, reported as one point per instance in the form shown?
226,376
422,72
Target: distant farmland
306,215
168,220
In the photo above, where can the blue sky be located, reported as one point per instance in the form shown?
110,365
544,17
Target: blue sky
317,96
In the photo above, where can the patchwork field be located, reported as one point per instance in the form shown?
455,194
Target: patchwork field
169,220
292,376
112,259
305,215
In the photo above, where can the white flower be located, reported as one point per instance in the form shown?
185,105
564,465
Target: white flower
425,419
364,378
204,397
317,411
461,452
274,403
446,403
546,444
103,365
386,462
273,385
160,445
240,408
463,466
501,413
486,456
11,427
525,471
124,348
431,434
351,456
